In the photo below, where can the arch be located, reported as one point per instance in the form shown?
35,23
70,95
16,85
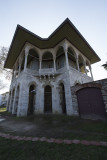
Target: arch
88,68
62,97
47,60
90,103
60,58
72,58
32,83
81,63
87,85
32,99
48,99
33,60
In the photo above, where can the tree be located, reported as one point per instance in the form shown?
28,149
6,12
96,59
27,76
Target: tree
6,72
105,66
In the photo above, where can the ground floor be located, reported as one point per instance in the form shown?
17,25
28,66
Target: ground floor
38,95
32,95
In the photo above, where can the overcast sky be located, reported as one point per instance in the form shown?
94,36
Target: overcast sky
43,16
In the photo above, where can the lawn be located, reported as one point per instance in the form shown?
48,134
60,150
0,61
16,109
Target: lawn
57,126
20,150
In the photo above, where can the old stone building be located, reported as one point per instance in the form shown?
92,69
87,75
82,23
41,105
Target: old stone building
44,70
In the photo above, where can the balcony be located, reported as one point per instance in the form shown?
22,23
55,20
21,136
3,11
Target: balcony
46,71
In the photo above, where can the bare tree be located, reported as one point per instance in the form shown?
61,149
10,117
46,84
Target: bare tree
3,54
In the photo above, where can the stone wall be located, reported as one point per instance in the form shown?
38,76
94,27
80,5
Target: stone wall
100,84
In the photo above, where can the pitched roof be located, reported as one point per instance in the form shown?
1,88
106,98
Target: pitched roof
65,31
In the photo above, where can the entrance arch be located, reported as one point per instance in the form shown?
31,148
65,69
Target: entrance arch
31,100
90,103
48,99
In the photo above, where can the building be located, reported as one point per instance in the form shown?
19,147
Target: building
45,69
4,98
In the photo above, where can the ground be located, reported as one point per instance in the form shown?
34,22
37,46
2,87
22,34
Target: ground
56,126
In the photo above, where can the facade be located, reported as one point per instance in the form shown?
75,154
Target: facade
44,70
4,98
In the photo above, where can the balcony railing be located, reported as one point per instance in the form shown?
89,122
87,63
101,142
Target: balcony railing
47,71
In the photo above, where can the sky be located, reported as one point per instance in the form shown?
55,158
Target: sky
42,17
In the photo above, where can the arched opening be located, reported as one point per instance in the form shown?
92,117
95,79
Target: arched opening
31,103
22,62
62,98
16,100
48,99
47,60
60,58
90,103
88,69
72,58
33,60
81,64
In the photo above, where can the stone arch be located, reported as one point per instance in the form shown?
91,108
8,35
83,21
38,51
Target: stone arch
90,101
72,57
87,85
60,58
47,60
32,83
32,99
48,99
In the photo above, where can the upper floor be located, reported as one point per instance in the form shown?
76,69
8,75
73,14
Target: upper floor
51,61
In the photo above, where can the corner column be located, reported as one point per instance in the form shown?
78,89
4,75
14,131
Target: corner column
66,55
91,71
77,64
26,56
85,67
54,59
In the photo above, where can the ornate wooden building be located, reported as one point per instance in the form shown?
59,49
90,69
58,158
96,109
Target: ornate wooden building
44,70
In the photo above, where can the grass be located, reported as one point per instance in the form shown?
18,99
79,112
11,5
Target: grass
58,126
20,150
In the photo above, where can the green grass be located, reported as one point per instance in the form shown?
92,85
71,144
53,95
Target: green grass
58,126
20,150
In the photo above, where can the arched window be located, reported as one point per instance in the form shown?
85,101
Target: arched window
16,100
62,98
72,58
47,99
33,60
47,60
32,97
81,64
60,58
